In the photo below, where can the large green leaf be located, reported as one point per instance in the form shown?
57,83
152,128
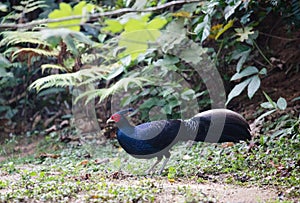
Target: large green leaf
203,28
157,23
65,10
250,70
237,90
281,103
242,54
230,9
113,26
138,34
253,85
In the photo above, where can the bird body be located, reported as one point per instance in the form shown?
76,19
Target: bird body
156,138
148,139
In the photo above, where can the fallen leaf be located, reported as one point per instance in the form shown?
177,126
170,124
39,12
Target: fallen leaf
64,123
227,144
51,129
171,180
187,157
101,161
84,162
46,155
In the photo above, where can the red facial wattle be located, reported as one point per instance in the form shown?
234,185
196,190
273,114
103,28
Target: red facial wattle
116,117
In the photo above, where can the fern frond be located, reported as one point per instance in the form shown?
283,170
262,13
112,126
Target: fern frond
28,10
92,94
17,37
33,5
53,66
57,80
121,84
41,52
18,8
96,73
67,79
296,9
25,7
13,16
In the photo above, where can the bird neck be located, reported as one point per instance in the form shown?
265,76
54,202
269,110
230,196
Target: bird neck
125,126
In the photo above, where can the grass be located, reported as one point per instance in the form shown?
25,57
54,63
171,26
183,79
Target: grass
110,175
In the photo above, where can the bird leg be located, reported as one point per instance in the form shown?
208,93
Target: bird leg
164,164
153,166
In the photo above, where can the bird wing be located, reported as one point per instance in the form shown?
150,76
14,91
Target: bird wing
159,134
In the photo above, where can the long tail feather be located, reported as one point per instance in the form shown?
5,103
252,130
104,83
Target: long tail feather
218,125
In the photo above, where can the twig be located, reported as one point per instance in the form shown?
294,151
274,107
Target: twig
96,15
277,37
49,120
262,54
18,97
260,63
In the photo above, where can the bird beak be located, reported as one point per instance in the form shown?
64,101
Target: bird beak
110,121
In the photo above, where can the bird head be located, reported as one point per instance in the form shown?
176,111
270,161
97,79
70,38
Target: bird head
116,117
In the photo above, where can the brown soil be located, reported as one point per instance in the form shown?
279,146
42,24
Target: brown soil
23,148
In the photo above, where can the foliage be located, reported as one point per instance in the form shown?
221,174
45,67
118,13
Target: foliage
126,29
131,45
252,82
243,39
40,47
65,10
21,11
22,52
272,106
137,33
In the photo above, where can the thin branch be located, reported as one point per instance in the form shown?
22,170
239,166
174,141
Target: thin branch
96,15
262,53
278,37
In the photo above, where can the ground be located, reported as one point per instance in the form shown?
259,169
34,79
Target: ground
177,191
107,174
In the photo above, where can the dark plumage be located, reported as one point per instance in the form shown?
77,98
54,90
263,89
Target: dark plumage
154,139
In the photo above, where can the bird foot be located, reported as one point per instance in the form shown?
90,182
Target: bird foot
152,172
160,171
149,172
